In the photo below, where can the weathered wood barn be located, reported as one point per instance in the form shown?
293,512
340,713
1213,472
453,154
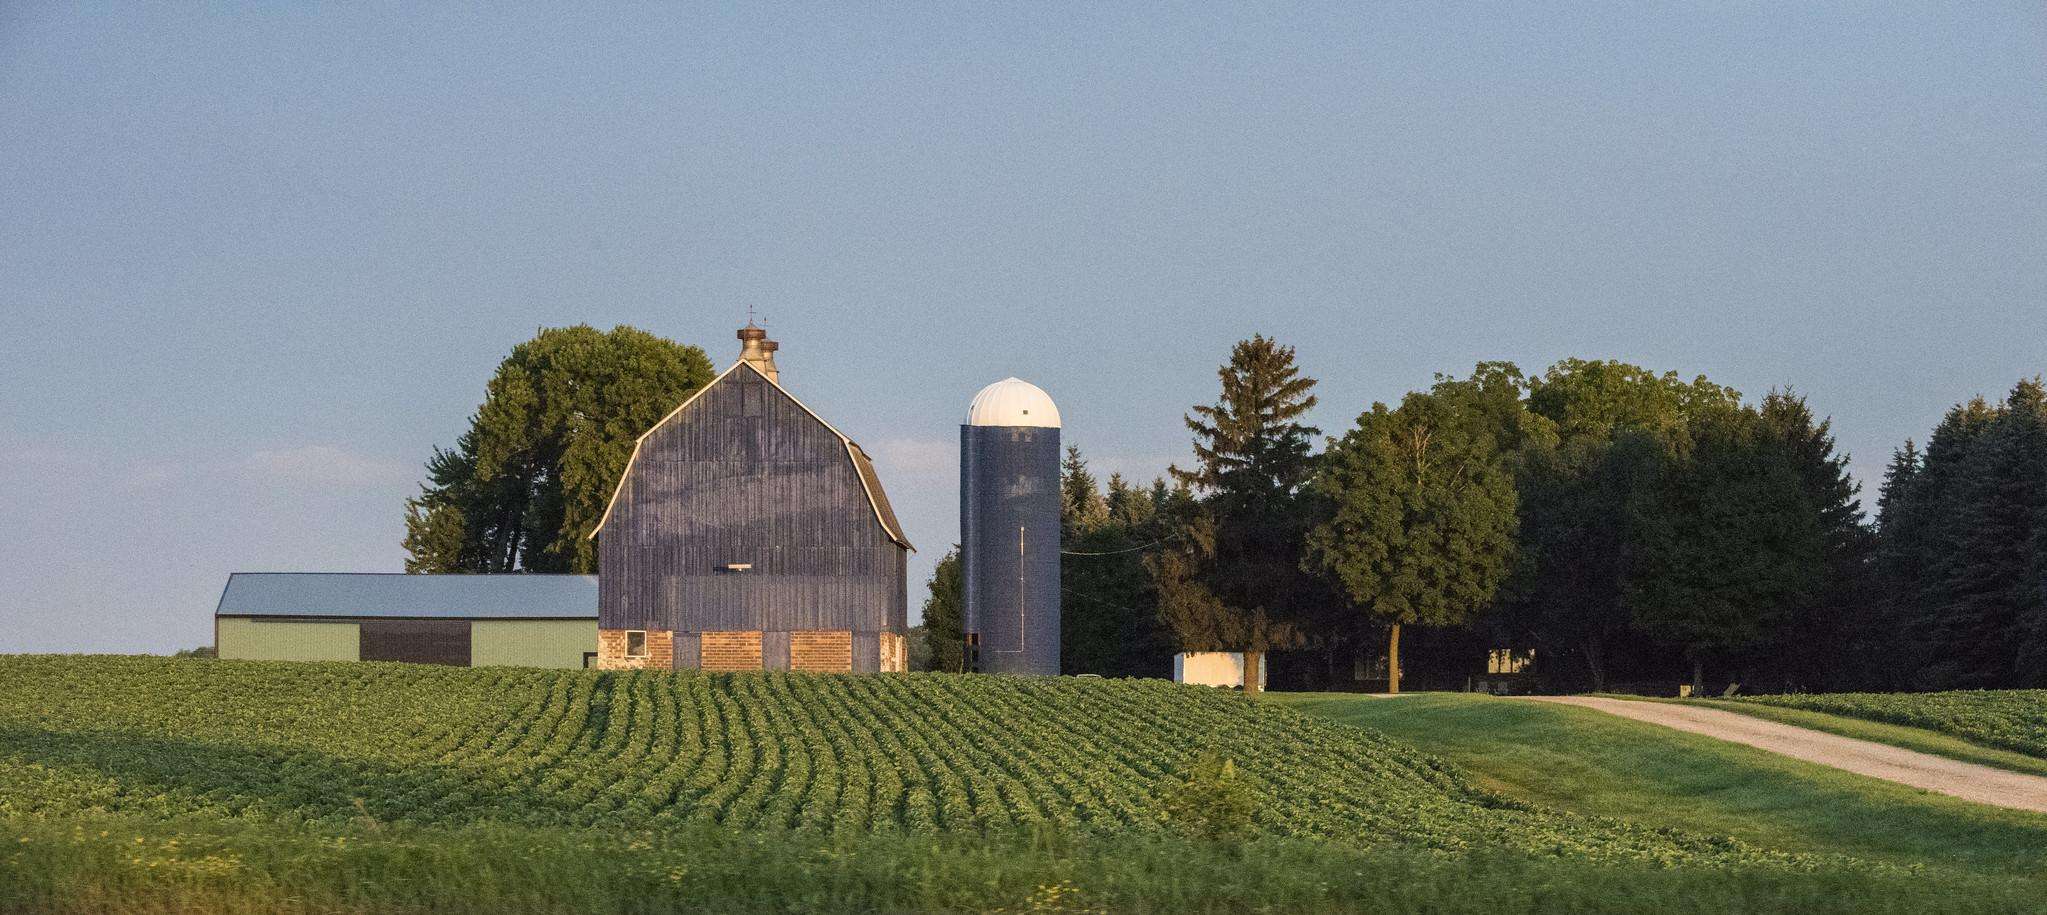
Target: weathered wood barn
748,534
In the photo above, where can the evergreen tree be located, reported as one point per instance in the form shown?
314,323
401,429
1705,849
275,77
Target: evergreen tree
1130,506
1421,519
944,623
1898,573
1943,662
529,480
1991,599
1822,641
1233,582
1109,622
1082,506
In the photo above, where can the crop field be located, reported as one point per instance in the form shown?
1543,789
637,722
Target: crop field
333,743
2014,719
136,784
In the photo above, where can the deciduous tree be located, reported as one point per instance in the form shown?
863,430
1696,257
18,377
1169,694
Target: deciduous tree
944,624
527,482
1421,507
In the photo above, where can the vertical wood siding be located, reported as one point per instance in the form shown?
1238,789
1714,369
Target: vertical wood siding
745,475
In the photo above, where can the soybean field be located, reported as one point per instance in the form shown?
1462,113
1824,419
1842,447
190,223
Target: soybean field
334,744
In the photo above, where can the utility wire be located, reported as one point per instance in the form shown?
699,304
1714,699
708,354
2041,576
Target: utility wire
1133,549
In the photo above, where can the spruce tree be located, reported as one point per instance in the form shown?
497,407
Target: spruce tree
1940,487
1898,573
1233,580
1991,598
1109,620
1819,640
1082,506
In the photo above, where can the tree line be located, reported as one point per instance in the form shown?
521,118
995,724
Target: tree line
1623,524
1630,527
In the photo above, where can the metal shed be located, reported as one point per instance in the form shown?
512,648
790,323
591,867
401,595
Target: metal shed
465,620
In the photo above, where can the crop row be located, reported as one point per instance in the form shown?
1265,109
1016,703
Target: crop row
333,743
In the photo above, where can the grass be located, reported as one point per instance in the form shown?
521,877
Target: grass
1897,735
1593,763
102,864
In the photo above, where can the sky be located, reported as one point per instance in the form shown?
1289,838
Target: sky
256,262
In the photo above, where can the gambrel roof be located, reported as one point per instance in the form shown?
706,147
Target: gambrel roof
863,466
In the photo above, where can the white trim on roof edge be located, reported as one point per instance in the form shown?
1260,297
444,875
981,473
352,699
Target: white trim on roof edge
872,503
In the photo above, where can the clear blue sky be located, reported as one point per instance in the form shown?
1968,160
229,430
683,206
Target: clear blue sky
255,263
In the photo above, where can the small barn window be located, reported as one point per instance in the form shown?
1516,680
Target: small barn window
636,643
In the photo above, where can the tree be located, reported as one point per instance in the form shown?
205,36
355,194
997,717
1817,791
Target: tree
1726,539
1421,519
1233,581
1110,622
1898,572
1991,614
1938,509
944,624
530,479
1611,423
1821,637
1082,507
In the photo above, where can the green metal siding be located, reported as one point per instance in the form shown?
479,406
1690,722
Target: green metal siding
262,640
531,643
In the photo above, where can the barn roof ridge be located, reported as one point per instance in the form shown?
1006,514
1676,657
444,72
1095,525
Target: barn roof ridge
863,466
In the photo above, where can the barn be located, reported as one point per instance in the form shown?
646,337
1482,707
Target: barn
748,533
465,620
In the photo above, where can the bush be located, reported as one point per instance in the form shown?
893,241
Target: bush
1210,798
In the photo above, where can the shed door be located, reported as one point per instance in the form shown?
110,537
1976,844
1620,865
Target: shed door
417,641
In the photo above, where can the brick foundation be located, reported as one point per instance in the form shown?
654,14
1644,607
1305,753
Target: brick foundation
731,651
823,650
611,650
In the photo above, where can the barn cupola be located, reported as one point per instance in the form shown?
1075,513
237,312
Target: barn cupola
757,350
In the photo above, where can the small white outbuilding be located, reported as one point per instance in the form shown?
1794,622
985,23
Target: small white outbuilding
1215,668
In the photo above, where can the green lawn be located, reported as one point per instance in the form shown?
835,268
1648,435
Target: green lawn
1590,762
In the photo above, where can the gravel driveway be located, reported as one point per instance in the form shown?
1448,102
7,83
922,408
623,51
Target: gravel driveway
1969,781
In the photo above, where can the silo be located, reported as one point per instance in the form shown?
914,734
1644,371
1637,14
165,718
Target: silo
1009,529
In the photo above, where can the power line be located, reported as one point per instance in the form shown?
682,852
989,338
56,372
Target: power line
1133,549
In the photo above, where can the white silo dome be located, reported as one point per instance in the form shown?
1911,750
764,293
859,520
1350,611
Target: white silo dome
1013,402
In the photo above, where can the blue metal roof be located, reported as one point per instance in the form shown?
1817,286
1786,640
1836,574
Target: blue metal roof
508,596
